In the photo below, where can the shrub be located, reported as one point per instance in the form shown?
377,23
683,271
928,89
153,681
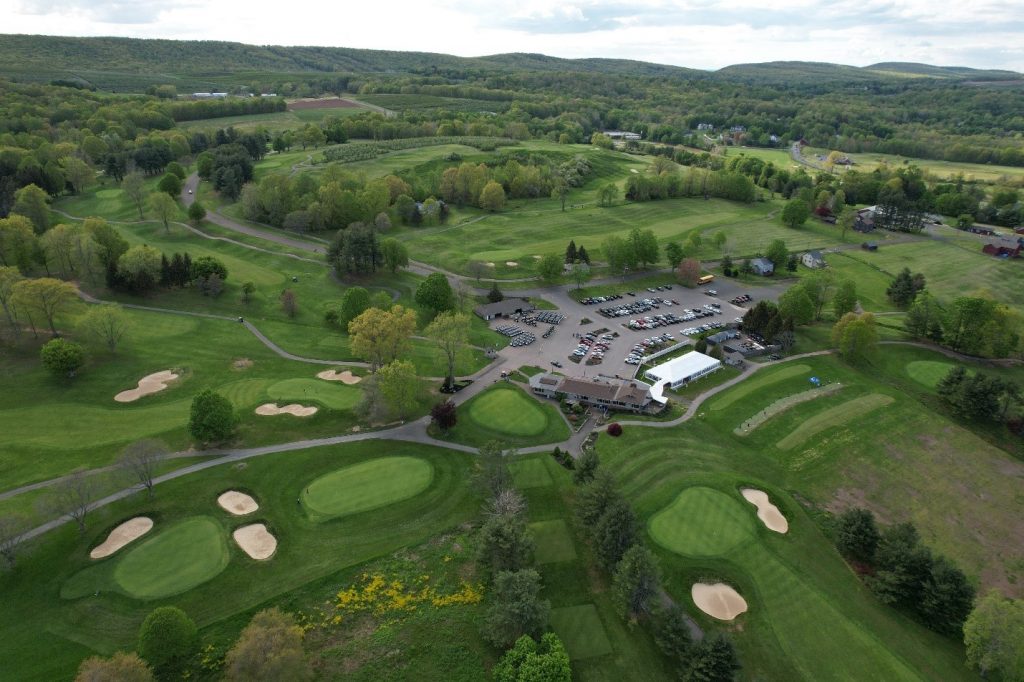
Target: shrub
62,357
615,429
167,640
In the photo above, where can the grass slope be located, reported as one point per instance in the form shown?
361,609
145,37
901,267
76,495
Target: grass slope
506,413
366,486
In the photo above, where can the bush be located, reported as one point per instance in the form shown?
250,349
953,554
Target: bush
62,357
167,640
213,417
204,266
615,429
171,184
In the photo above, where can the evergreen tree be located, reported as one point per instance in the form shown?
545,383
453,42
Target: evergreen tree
615,532
901,291
586,467
582,255
714,660
857,535
570,253
635,582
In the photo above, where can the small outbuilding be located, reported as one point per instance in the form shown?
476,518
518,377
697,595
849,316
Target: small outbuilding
762,266
813,260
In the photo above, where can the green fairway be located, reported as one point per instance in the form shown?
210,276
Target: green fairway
580,629
702,522
176,560
333,395
376,483
758,382
840,415
928,372
508,414
529,473
552,541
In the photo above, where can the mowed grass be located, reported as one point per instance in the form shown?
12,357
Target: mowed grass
366,486
552,541
580,629
529,473
702,521
928,373
834,416
867,162
757,383
508,414
334,395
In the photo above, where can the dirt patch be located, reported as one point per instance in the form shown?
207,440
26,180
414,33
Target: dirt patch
326,103
151,383
296,410
346,377
256,541
769,514
511,264
718,600
242,363
237,503
132,529
490,264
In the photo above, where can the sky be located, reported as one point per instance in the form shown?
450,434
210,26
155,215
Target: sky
702,34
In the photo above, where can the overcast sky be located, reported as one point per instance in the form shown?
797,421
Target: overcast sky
696,33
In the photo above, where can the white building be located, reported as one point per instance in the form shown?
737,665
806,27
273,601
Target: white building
680,371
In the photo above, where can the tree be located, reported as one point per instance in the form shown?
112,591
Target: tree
570,253
946,598
268,649
586,467
582,256
778,253
795,213
688,272
18,243
903,288
398,386
444,415
495,295
164,208
796,304
964,221
107,323
212,417
713,660
857,535
168,639
516,607
170,184
9,278
550,268
11,529
353,302
855,336
435,293
248,289
289,303
504,543
845,299
846,220
635,582
30,201
121,667
618,254
140,265
139,460
608,194
492,196
674,253
593,498
71,496
994,637
560,190
614,533
644,246
78,173
395,254
672,632
581,274
134,188
528,662
818,286
379,336
382,222
196,213
476,269
450,333
62,357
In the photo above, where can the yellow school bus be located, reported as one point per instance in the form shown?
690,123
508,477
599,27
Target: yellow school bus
706,279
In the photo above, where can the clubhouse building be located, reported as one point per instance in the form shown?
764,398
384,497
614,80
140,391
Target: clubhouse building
627,395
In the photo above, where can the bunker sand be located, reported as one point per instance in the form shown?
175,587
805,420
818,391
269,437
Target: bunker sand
346,377
130,530
769,514
237,503
296,410
152,383
718,600
256,541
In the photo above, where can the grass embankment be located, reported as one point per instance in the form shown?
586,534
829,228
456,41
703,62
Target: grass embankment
506,413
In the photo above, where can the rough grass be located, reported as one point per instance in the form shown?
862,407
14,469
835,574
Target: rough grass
366,486
702,522
580,629
552,541
832,417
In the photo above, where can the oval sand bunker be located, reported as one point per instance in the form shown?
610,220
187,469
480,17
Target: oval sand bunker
769,514
296,410
132,529
718,601
237,503
256,541
346,377
152,383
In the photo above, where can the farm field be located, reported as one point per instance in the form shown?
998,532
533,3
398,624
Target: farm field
273,122
942,169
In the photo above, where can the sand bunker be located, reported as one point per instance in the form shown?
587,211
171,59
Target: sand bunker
237,503
242,363
718,601
766,511
147,384
512,264
346,377
256,541
296,410
132,529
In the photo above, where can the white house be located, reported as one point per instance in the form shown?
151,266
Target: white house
813,260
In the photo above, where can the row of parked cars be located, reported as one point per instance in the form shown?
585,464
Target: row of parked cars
706,327
594,300
641,349
741,299
642,305
594,344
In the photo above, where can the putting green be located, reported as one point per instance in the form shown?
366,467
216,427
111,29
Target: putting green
109,193
369,485
178,559
928,372
508,410
833,417
702,522
330,395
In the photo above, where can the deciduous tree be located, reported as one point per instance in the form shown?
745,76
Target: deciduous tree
435,293
845,299
550,268
196,213
212,417
47,296
688,272
17,242
268,649
121,667
164,208
379,336
139,460
994,637
398,386
30,201
395,254
528,662
714,660
855,336
635,582
795,213
107,324
450,334
492,196
71,496
168,639
857,535
134,187
444,415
